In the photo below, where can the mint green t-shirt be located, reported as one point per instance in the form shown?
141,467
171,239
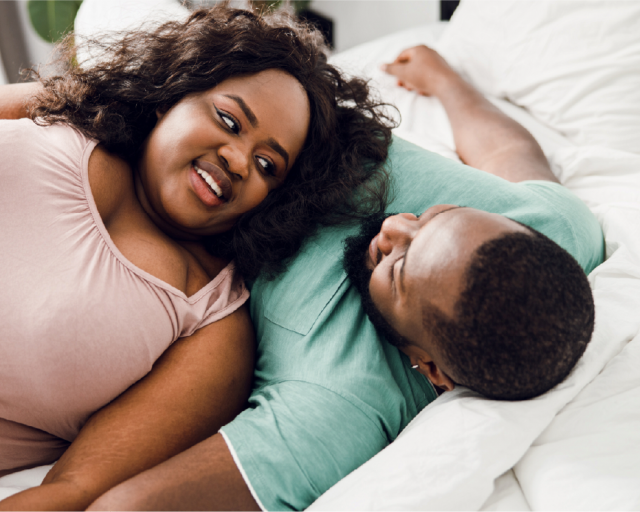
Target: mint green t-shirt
329,392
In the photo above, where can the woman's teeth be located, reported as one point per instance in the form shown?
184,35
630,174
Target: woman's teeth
212,184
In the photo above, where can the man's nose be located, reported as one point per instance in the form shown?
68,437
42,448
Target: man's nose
397,230
236,160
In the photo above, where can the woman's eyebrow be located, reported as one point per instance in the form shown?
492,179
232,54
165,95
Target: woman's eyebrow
245,108
272,143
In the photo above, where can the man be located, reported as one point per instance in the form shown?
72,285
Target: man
329,391
512,312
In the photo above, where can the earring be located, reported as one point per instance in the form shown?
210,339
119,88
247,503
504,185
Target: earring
414,367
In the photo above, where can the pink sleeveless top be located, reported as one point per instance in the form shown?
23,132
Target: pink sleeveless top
79,323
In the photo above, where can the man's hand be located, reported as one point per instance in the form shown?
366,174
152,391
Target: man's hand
485,138
421,69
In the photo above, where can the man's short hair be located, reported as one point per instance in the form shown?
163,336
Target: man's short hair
522,322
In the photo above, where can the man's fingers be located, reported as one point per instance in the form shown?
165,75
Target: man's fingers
393,69
404,55
388,68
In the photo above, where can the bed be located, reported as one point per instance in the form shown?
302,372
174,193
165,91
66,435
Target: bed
570,73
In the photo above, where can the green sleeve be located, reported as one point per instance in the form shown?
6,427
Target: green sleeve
297,440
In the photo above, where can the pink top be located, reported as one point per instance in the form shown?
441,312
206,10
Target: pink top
79,322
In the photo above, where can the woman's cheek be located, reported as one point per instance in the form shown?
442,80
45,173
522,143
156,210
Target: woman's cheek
257,194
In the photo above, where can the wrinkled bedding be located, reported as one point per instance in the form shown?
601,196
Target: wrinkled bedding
577,446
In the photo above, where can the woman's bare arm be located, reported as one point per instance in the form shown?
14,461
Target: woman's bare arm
198,385
485,138
13,99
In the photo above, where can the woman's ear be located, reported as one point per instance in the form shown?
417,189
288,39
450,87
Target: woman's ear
160,112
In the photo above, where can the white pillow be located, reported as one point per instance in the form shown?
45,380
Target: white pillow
575,65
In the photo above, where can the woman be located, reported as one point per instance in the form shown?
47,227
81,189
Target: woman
227,136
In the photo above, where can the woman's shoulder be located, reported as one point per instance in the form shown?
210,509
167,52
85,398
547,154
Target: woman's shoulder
59,142
111,182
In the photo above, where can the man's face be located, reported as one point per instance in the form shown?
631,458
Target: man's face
412,260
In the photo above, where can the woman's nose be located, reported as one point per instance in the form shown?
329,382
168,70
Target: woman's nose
235,159
397,230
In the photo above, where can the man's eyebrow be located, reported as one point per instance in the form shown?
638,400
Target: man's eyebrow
406,254
245,108
273,144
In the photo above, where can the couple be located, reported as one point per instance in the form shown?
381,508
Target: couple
467,291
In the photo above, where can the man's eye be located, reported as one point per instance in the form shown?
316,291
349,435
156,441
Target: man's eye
266,165
395,265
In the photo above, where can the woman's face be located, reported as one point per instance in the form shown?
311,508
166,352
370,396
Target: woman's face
215,155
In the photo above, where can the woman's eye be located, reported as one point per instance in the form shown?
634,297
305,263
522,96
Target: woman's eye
229,121
266,165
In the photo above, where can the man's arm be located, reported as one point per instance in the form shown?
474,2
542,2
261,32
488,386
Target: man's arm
204,477
485,138
198,385
13,99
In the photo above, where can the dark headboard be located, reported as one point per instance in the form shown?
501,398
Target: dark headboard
446,9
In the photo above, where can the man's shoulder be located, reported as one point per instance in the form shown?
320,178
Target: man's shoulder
574,226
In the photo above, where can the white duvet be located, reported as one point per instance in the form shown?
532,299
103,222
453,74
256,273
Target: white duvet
578,446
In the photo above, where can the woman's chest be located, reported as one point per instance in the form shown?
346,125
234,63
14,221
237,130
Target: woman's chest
78,329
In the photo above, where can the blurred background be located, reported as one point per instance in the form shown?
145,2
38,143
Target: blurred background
27,28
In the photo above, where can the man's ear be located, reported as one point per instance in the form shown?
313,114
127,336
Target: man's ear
428,368
437,377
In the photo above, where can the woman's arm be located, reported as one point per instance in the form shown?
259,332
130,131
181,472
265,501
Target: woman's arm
485,138
13,99
198,385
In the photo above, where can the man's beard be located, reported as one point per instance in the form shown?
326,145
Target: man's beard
356,251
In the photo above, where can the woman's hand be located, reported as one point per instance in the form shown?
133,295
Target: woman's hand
421,69
13,99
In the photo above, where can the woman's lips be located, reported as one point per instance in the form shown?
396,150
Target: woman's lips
203,189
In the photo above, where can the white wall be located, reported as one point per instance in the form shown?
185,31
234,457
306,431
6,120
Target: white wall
358,21
355,22
38,49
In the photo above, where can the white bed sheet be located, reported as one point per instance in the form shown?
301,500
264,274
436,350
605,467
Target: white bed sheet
576,447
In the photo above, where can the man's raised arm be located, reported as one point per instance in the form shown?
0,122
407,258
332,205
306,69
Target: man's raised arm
485,138
13,99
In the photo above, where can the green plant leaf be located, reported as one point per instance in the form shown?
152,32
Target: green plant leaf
274,5
300,5
52,19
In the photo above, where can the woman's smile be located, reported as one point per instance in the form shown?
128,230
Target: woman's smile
210,183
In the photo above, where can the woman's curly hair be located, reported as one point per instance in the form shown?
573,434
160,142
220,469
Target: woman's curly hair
339,175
